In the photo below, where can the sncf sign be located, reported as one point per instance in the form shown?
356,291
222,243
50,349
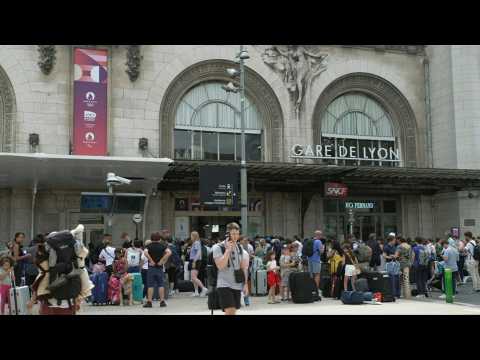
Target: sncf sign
336,190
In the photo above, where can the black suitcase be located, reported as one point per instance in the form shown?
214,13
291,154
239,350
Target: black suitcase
378,282
362,285
303,288
337,289
185,286
326,287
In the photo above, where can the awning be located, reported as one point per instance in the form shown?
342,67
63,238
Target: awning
310,177
69,172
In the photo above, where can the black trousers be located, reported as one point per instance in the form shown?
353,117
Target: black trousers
421,277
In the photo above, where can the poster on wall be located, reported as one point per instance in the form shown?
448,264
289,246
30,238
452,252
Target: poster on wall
181,204
90,102
219,186
182,227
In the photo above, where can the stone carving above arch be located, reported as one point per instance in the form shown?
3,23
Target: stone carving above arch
387,95
7,114
257,89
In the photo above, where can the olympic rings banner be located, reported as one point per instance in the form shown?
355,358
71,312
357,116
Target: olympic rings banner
90,102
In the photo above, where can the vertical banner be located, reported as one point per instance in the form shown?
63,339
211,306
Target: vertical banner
90,102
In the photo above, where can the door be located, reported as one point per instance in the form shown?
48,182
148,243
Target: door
368,226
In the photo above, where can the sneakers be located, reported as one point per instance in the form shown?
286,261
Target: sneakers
148,304
420,296
195,295
204,292
171,293
443,296
163,303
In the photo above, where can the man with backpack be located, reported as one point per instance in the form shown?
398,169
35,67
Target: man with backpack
420,266
472,260
230,270
313,249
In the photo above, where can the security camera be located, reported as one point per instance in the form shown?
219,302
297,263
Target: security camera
470,195
114,180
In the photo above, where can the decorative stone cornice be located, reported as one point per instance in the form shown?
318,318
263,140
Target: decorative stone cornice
134,59
410,49
47,58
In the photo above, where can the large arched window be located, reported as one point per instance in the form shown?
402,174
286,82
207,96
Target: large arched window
360,131
208,125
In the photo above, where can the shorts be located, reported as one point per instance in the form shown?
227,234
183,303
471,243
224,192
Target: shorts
349,270
285,278
155,275
133,269
314,267
228,298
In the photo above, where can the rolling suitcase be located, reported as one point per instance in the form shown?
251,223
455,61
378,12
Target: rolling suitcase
137,287
114,290
327,287
259,283
378,282
186,272
185,286
362,285
19,298
100,291
303,288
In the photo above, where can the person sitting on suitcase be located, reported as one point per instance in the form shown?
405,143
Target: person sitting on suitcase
6,276
232,263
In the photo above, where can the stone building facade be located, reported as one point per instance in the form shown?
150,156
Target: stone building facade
428,92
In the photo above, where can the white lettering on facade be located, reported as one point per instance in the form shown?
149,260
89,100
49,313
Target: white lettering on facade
309,151
394,154
328,148
319,150
380,151
353,151
297,150
372,152
343,151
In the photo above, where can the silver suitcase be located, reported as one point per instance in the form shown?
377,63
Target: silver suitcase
19,296
259,283
186,272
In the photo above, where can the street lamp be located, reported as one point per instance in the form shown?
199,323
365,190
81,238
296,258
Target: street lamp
234,73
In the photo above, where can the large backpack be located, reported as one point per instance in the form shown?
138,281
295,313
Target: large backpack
364,253
212,270
307,250
476,252
64,245
65,284
204,260
174,260
423,258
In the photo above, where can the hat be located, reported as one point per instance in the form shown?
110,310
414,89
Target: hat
392,234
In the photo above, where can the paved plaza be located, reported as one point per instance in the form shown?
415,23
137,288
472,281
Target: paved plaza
184,304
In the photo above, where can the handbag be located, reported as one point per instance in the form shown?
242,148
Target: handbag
392,267
358,271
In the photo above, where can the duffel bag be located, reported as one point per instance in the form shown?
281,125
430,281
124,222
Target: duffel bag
367,296
352,298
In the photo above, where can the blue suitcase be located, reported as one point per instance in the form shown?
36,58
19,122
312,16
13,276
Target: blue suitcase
137,287
100,291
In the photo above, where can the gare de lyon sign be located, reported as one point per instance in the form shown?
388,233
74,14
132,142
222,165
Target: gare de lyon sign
330,152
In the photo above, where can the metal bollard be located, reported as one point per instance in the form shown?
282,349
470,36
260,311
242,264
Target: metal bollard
448,286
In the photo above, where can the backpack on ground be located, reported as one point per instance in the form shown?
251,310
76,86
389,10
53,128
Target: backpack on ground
423,258
307,249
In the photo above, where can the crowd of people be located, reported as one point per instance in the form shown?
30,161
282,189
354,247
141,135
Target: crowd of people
160,259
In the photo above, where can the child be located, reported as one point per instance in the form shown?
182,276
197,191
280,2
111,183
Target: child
273,278
6,274
287,265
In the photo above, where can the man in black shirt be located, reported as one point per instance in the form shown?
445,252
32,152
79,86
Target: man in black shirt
157,254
